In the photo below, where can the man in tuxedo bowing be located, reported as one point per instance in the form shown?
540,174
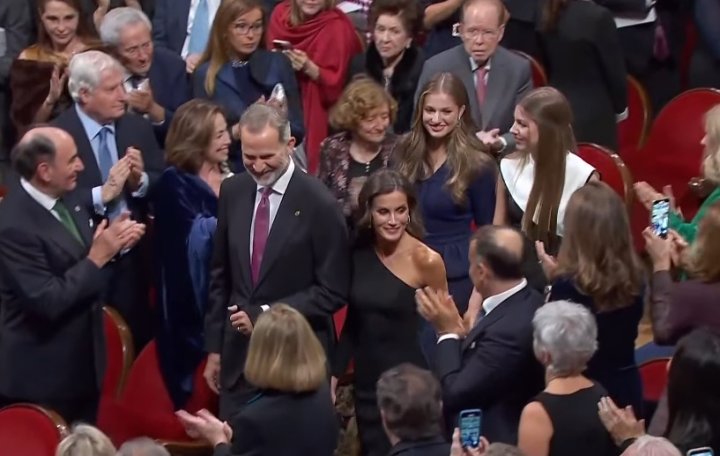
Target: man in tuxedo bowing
53,271
486,360
280,238
122,161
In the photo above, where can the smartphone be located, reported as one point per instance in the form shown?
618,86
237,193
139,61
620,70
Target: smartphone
704,451
660,217
469,424
282,45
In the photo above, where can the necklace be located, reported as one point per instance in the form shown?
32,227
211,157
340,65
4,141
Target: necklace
237,63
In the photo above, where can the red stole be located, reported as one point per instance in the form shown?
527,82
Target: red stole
329,39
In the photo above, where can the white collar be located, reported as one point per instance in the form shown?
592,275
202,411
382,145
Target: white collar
43,199
280,186
474,65
490,303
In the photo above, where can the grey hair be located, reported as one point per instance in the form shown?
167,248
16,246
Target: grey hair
260,115
648,445
142,446
568,333
84,440
86,69
117,19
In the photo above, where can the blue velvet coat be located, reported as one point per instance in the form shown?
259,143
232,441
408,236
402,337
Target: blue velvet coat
185,219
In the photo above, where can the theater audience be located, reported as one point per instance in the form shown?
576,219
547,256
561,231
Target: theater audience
142,446
580,43
711,171
85,440
236,70
392,58
563,419
538,180
692,397
53,273
410,404
155,79
39,75
364,145
486,361
606,277
184,28
454,174
389,263
494,78
185,203
99,8
122,162
292,413
320,63
676,308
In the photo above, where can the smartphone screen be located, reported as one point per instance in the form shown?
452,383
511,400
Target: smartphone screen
705,451
660,217
470,428
282,45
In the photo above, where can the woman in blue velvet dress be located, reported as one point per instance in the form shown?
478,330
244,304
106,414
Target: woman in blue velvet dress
185,204
455,176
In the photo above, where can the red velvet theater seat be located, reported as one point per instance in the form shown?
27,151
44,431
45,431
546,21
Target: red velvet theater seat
611,168
633,131
119,352
539,77
30,430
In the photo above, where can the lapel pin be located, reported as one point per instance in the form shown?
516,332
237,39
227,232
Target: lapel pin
77,208
297,213
90,222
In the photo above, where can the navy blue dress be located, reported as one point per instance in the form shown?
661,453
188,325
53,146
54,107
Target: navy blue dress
448,225
613,365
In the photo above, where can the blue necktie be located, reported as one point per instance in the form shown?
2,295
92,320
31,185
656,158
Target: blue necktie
200,29
105,161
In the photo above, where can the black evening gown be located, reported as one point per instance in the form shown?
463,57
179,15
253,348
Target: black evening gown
381,332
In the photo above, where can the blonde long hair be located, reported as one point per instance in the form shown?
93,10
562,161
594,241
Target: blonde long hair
711,158
218,51
466,154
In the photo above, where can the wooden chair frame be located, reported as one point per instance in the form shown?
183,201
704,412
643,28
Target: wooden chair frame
197,448
647,110
537,66
625,173
128,348
60,424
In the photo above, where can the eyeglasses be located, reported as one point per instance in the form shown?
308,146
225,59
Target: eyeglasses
474,33
244,29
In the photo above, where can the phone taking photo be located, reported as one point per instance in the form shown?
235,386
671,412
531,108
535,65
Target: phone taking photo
469,424
282,45
704,451
660,217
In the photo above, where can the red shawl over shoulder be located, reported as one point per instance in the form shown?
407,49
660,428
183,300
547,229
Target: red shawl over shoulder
329,39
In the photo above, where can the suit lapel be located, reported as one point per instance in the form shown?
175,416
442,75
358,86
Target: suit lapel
285,221
495,88
468,79
77,131
83,222
226,76
244,210
489,319
121,138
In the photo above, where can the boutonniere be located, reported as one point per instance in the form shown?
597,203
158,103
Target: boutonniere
297,213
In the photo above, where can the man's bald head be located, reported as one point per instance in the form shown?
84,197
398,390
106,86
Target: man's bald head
500,248
502,13
49,154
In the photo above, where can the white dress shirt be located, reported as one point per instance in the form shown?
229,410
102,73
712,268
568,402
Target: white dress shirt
279,188
213,6
489,304
43,199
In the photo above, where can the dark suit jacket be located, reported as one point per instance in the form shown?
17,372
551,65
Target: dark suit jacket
306,264
130,130
430,447
170,86
494,367
266,69
51,316
585,46
523,10
508,81
277,423
170,22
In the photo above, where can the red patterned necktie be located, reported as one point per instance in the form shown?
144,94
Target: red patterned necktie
480,84
260,232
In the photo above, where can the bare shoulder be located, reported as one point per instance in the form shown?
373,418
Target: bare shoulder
426,258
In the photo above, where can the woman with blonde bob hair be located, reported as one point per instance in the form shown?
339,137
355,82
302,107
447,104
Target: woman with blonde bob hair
185,201
293,413
711,172
85,440
598,268
363,114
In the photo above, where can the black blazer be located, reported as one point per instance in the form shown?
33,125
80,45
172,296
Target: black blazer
403,82
277,423
585,46
130,130
493,368
52,343
306,264
170,86
429,447
170,23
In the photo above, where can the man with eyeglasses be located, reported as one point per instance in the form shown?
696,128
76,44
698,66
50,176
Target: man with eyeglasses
495,78
155,79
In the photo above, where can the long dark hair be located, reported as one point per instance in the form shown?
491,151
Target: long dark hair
85,31
382,182
551,14
693,393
